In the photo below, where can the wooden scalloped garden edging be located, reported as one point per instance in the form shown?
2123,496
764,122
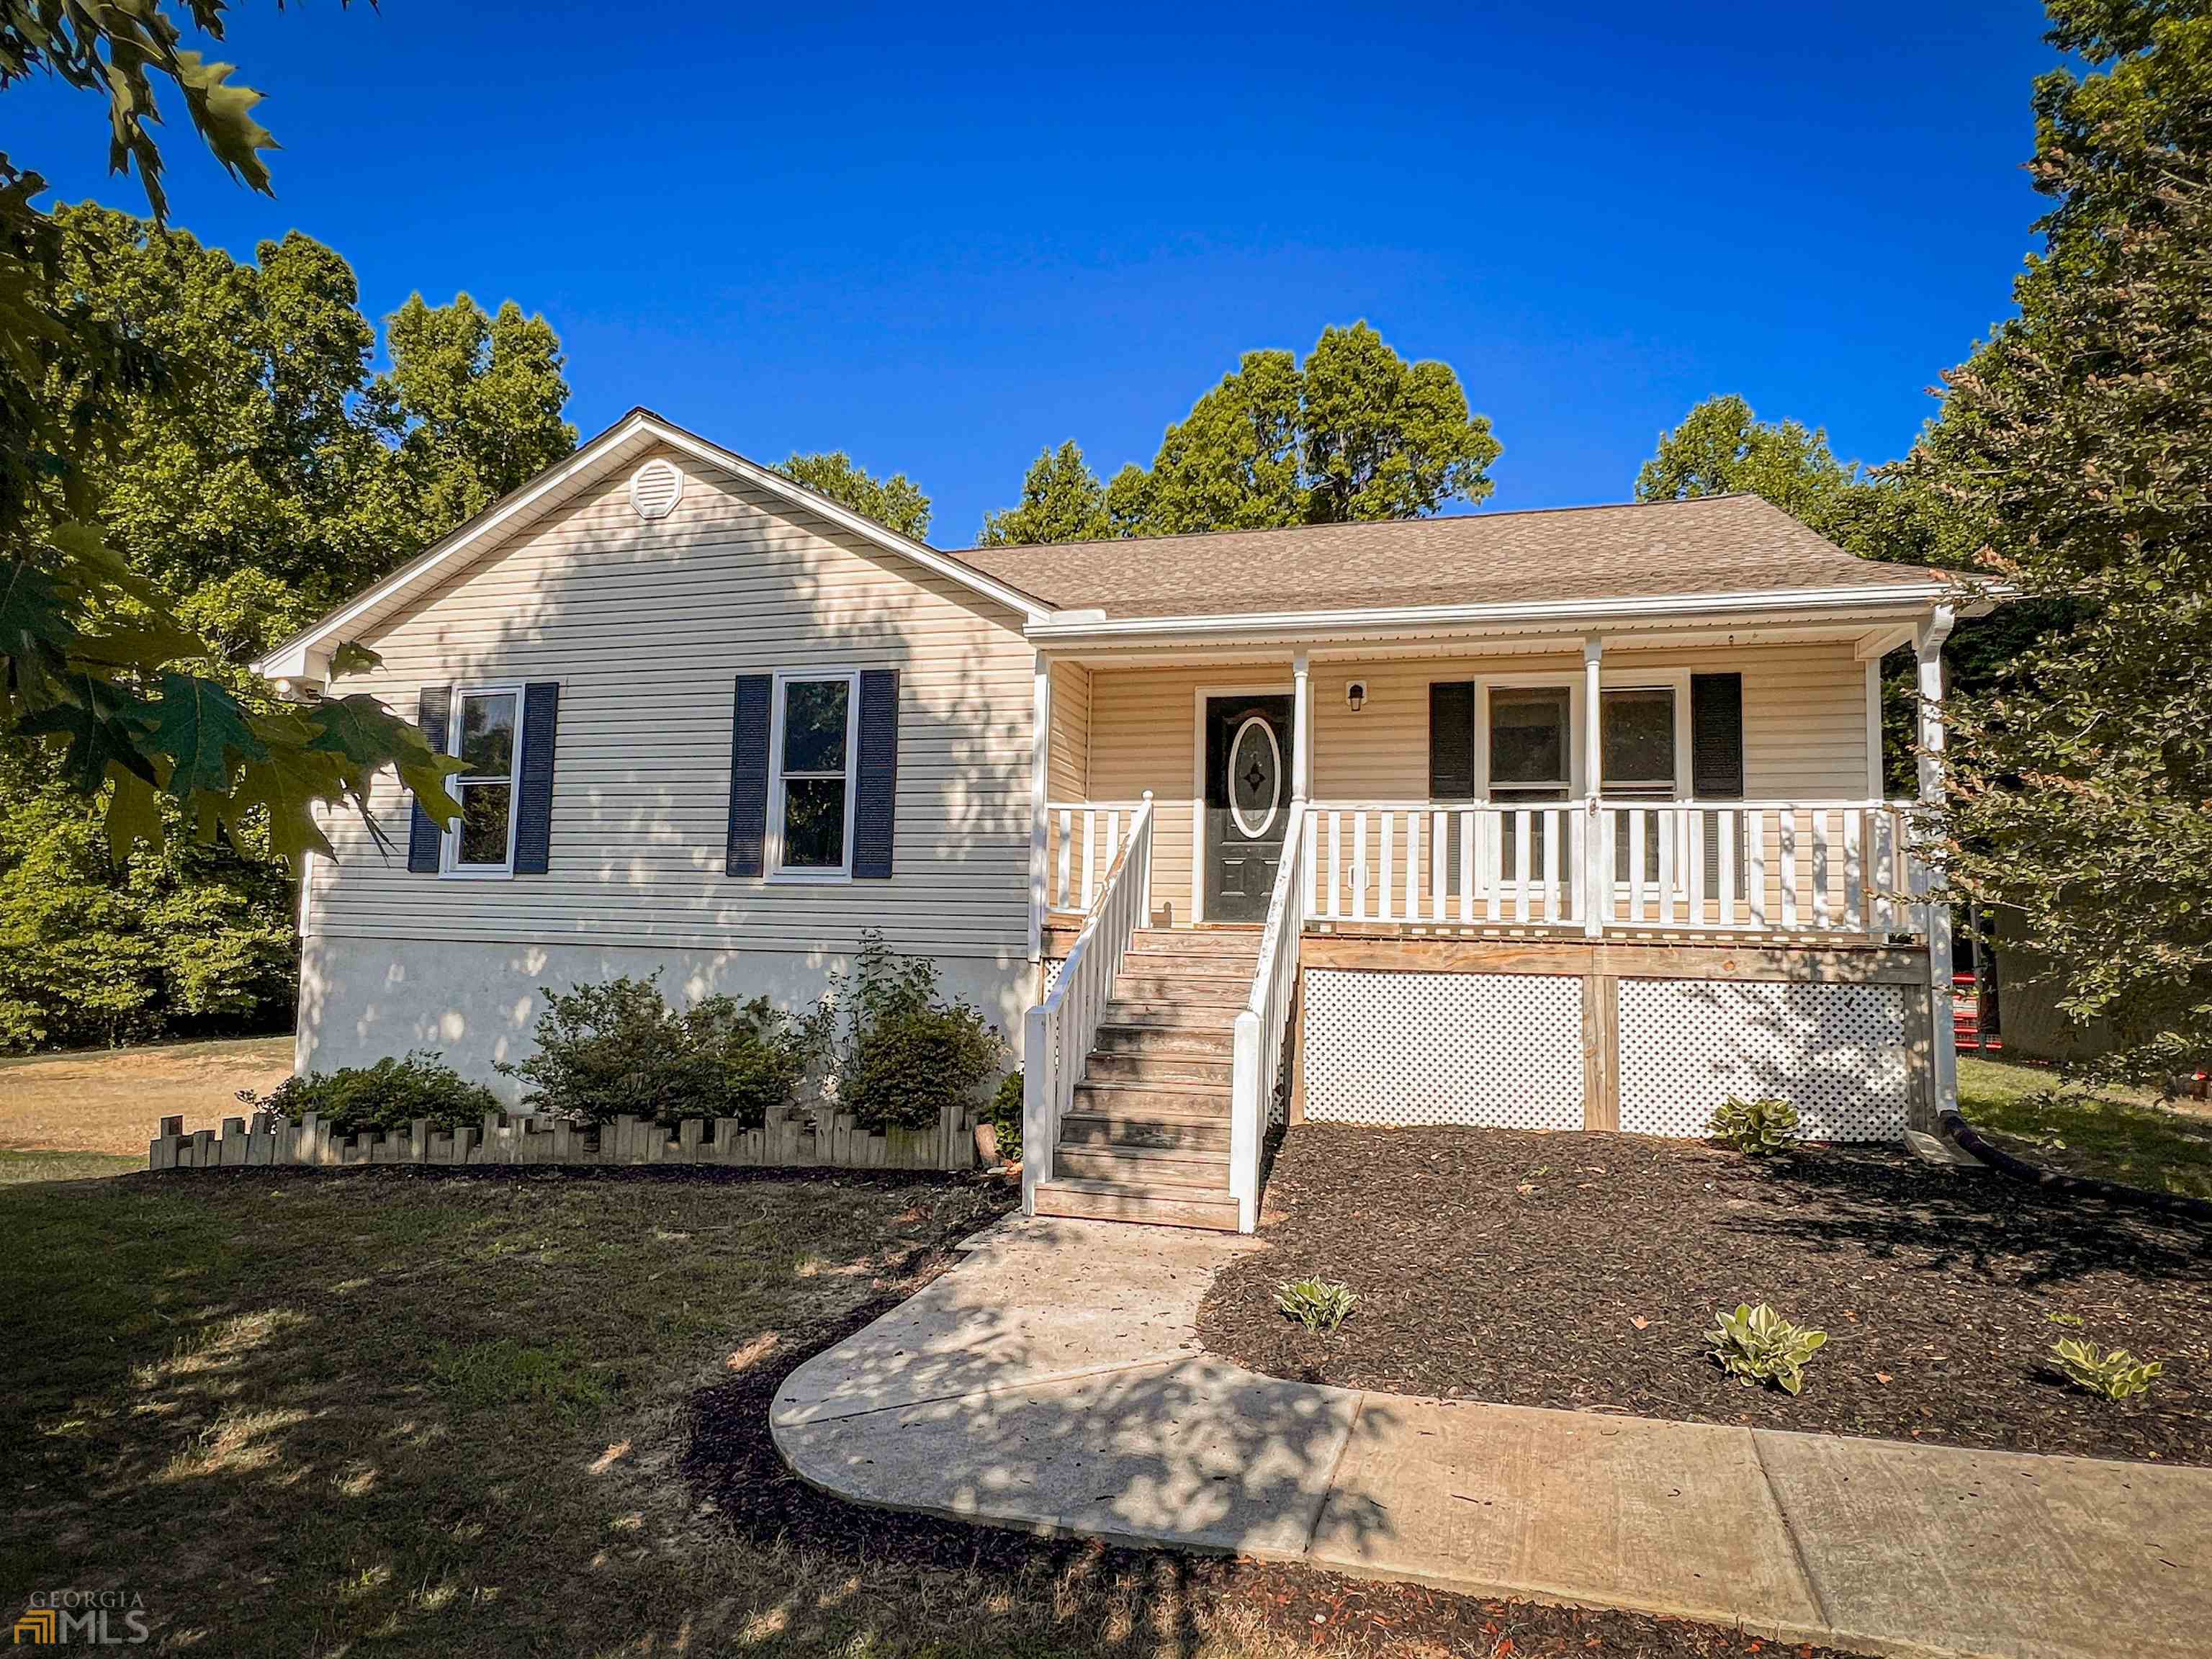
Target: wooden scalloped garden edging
792,1138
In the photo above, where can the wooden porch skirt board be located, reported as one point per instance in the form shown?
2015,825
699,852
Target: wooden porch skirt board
1818,964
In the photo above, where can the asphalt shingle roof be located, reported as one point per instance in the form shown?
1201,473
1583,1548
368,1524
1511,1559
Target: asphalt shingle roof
1716,545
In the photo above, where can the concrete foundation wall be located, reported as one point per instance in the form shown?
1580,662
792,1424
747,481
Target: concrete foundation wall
363,999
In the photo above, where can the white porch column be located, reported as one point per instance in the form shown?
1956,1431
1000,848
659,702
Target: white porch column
1300,728
1929,647
1596,877
1040,770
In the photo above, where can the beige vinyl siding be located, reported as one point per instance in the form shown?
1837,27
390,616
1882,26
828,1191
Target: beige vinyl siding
1068,761
646,625
1804,728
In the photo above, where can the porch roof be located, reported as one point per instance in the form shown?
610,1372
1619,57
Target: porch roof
1704,549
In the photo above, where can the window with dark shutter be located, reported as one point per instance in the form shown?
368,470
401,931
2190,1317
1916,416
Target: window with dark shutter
749,747
424,838
1451,740
875,810
533,806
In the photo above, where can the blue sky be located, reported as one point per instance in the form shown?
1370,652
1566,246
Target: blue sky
944,243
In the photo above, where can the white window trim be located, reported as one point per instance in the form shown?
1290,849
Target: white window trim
1626,678
450,868
773,845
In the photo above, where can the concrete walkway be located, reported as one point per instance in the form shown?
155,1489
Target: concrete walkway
1054,1381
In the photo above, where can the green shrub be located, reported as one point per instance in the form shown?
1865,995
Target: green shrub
1006,1117
1758,1127
616,1048
389,1094
1319,1305
904,1053
2113,1375
1757,1345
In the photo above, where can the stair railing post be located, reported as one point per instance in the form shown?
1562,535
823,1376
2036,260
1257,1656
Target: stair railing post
1040,1090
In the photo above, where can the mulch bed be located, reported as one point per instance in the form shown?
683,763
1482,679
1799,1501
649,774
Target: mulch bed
1582,1271
734,1472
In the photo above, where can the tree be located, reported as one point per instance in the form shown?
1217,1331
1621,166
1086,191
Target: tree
2080,786
896,502
94,661
1354,432
1062,500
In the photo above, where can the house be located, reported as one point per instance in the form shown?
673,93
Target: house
1558,819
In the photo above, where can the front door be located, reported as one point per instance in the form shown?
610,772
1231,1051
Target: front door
1248,803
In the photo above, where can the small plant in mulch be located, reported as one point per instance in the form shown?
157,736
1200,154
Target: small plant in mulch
2115,1376
1758,1344
1758,1128
1319,1305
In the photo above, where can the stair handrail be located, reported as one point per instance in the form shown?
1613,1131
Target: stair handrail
1058,1031
1264,1023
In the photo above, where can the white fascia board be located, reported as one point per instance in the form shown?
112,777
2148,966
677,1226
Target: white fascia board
301,655
1803,602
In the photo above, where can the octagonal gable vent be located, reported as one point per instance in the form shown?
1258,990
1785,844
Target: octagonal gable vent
654,489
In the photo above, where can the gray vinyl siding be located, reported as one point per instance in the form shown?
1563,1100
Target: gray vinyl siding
645,625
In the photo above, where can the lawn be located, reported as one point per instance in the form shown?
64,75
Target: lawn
1582,1271
112,1100
523,1411
2129,1139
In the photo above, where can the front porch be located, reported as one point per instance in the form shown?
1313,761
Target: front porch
1536,890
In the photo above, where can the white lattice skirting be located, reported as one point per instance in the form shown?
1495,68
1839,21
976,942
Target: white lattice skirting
1834,1052
1498,1051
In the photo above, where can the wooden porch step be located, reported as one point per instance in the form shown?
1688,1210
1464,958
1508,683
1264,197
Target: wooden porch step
1149,984
1209,1041
1082,1128
1106,1200
1115,1066
1153,1099
1241,942
1169,1014
1201,1169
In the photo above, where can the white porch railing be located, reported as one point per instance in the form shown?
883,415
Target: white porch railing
1082,840
1770,866
1263,1026
1057,1033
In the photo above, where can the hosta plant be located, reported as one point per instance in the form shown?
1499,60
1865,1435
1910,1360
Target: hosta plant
1319,1305
2114,1375
1758,1344
1756,1127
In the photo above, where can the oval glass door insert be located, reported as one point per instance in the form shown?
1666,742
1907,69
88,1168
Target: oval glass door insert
1255,777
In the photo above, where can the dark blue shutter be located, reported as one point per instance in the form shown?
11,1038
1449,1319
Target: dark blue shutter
533,807
1716,737
876,776
749,716
1451,740
432,709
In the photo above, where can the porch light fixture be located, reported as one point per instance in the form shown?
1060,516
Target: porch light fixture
1356,694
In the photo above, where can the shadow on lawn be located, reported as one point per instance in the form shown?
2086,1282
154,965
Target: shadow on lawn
1938,1221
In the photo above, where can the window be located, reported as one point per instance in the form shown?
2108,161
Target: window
1636,730
482,733
810,806
1531,760
1530,738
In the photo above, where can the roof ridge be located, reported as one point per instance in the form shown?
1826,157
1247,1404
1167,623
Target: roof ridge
1375,524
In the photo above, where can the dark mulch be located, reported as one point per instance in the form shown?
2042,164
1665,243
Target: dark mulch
1168,1601
1582,1271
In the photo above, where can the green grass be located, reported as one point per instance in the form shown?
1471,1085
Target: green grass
370,1413
20,1166
2131,1140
